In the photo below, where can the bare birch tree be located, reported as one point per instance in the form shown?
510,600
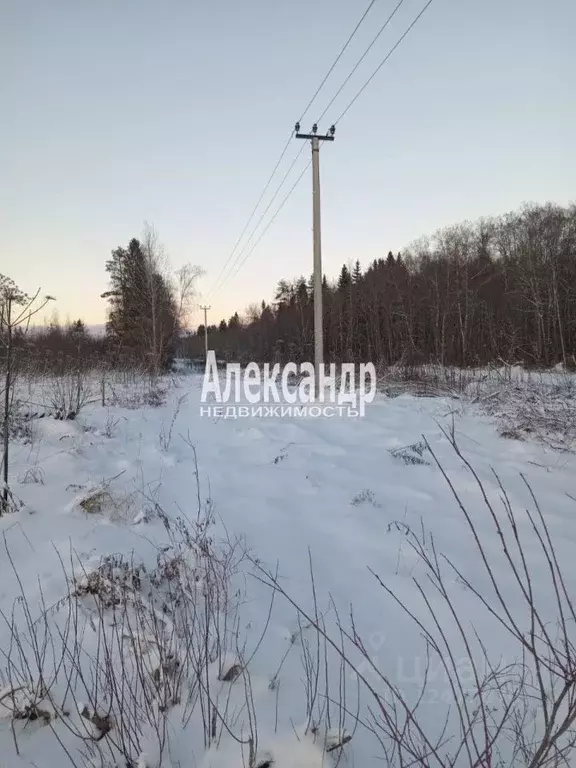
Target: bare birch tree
16,311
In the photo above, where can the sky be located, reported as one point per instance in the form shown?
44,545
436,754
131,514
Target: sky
118,112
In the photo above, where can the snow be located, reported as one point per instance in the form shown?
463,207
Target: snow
324,503
293,751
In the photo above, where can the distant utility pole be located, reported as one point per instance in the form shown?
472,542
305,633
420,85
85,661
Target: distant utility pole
205,308
315,140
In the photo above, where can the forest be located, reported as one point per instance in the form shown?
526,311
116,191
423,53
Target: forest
500,288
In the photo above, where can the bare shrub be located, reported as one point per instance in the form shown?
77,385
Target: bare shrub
22,424
103,499
501,714
68,394
33,474
365,497
155,396
133,652
109,429
165,436
137,390
426,380
410,454
540,406
526,404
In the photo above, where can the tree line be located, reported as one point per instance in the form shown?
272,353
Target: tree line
148,307
500,288
147,310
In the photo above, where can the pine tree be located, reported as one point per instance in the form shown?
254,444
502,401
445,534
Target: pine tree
344,279
301,291
283,292
77,331
142,315
234,321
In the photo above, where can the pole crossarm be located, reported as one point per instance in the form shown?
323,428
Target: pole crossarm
310,136
314,135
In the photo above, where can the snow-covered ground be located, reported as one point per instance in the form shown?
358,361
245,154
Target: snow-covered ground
325,506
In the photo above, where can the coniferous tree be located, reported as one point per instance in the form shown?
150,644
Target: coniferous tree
472,294
143,321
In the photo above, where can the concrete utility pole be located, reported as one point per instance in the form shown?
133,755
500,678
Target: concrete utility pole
315,140
205,308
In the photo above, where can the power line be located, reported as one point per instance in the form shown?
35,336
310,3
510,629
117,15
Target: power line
267,227
237,243
383,62
274,196
361,59
337,59
348,107
220,279
239,262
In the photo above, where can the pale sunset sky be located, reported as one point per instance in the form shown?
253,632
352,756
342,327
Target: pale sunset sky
118,112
